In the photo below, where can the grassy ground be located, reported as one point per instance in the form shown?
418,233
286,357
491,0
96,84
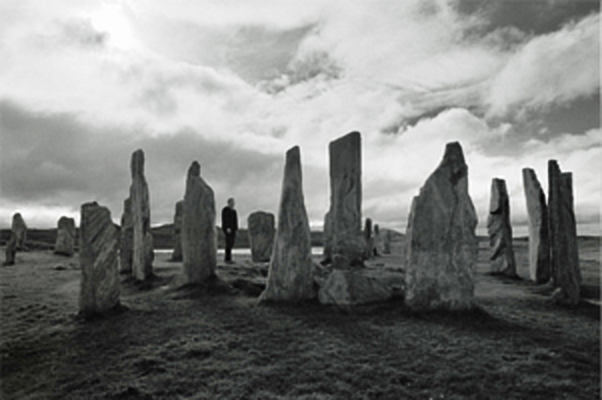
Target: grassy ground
184,344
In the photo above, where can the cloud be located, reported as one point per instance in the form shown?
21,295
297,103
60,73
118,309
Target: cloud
549,70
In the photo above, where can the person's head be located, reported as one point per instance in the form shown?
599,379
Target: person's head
231,202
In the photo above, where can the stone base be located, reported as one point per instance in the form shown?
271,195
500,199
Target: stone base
360,286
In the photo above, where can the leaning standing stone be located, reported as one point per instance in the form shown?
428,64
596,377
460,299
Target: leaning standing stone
65,237
176,255
539,246
99,290
565,256
19,229
261,235
290,276
199,239
140,208
500,231
441,242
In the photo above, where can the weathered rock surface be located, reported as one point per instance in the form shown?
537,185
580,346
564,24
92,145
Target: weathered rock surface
378,241
99,290
19,229
345,214
290,276
261,232
327,238
563,229
11,251
176,255
441,242
502,259
65,237
360,286
199,238
140,208
387,242
126,239
539,245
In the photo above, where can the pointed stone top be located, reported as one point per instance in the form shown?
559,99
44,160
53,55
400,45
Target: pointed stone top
195,169
137,163
453,154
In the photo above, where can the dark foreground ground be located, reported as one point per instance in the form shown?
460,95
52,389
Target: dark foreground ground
181,344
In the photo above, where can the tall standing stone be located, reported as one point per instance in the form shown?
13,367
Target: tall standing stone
387,242
563,229
441,242
345,214
126,239
199,238
368,239
176,255
261,235
65,237
19,229
539,245
142,251
290,276
378,241
327,238
502,259
99,290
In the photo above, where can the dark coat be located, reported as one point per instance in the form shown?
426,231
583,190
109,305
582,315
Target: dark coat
229,219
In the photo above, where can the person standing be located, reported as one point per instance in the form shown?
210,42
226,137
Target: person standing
229,227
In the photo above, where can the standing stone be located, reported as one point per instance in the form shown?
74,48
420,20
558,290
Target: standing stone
539,246
176,255
99,290
369,239
199,238
11,250
378,241
327,238
19,229
140,208
126,239
65,237
500,231
261,235
290,276
565,256
441,242
345,214
387,242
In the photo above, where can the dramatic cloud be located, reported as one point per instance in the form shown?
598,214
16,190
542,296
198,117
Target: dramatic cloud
234,85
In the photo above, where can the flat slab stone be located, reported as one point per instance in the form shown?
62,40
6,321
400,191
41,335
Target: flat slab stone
261,231
565,254
99,289
539,241
177,255
65,237
360,286
502,259
142,254
344,222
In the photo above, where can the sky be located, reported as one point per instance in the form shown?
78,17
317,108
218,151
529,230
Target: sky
233,84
